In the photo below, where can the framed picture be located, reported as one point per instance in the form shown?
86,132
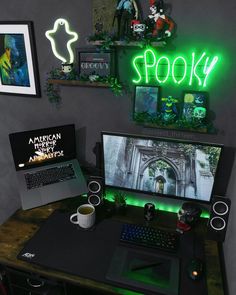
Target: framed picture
103,16
18,59
146,100
93,62
169,109
195,106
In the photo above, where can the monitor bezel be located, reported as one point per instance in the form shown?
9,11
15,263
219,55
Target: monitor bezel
168,139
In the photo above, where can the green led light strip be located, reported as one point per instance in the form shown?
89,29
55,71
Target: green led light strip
164,69
131,200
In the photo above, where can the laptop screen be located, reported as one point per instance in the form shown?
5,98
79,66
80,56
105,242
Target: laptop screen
43,146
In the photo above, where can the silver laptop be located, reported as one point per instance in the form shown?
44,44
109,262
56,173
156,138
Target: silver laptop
46,165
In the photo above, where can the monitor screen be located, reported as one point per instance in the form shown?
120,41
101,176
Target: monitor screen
160,166
43,146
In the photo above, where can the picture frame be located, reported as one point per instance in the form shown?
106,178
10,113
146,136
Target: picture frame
19,73
96,62
146,101
103,12
195,106
169,109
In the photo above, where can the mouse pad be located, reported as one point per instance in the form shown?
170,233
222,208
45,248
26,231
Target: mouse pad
143,270
61,245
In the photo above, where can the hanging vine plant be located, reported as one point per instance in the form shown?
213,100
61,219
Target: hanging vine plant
52,90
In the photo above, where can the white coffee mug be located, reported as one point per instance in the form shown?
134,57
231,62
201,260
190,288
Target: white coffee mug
85,216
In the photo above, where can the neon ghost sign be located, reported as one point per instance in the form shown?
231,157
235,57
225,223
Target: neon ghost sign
61,22
180,69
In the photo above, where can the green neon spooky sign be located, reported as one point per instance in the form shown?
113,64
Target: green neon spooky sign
180,69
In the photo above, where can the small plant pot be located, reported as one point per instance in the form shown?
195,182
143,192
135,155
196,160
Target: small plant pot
120,209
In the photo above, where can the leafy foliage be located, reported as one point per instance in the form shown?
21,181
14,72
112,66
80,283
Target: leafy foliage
53,91
157,121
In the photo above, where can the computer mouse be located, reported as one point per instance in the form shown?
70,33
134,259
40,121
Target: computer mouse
195,269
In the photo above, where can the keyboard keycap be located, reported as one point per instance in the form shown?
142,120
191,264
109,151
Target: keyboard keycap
149,237
49,176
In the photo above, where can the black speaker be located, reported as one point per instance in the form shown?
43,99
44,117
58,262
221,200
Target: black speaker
95,190
217,224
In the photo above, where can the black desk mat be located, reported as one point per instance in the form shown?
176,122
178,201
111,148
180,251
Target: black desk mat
63,246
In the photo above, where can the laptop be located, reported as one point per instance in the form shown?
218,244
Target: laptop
46,165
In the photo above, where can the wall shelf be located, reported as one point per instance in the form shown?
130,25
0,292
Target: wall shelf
78,83
128,44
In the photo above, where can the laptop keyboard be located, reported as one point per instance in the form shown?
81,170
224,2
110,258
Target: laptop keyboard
49,176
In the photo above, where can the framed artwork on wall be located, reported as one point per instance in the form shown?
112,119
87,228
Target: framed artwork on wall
169,110
18,60
146,101
94,62
103,16
195,106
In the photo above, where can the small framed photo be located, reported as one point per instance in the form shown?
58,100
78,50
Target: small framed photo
169,110
146,100
94,62
18,60
195,106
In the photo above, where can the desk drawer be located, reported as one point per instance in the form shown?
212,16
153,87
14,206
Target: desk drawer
32,284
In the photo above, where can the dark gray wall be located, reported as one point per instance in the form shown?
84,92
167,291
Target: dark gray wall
92,110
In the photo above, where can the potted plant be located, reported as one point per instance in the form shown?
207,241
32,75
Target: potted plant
120,201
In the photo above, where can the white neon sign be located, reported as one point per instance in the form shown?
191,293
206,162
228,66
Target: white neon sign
74,37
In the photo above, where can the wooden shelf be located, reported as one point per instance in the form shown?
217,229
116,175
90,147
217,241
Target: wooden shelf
128,44
78,83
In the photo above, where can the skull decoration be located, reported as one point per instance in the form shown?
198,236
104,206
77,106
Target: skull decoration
66,68
199,113
188,215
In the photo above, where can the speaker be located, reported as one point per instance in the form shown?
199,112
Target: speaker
217,224
95,190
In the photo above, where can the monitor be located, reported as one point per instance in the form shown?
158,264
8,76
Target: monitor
160,166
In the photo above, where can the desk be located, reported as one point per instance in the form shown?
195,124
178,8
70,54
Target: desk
23,224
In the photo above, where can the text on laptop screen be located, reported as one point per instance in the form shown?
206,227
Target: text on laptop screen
160,166
43,146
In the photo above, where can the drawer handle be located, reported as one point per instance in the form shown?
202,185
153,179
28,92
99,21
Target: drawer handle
35,284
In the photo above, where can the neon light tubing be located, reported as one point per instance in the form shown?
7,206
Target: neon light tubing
74,37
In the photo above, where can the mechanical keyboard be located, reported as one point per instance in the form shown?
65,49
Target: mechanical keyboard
49,176
149,237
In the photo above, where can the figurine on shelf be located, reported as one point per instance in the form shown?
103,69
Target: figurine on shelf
161,25
138,29
126,11
188,215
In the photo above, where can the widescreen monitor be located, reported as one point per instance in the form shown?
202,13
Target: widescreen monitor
160,166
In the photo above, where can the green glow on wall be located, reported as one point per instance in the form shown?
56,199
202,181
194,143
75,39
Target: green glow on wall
132,200
136,68
194,69
207,70
147,64
173,69
168,69
181,69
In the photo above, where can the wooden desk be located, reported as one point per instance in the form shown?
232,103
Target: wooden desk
23,224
